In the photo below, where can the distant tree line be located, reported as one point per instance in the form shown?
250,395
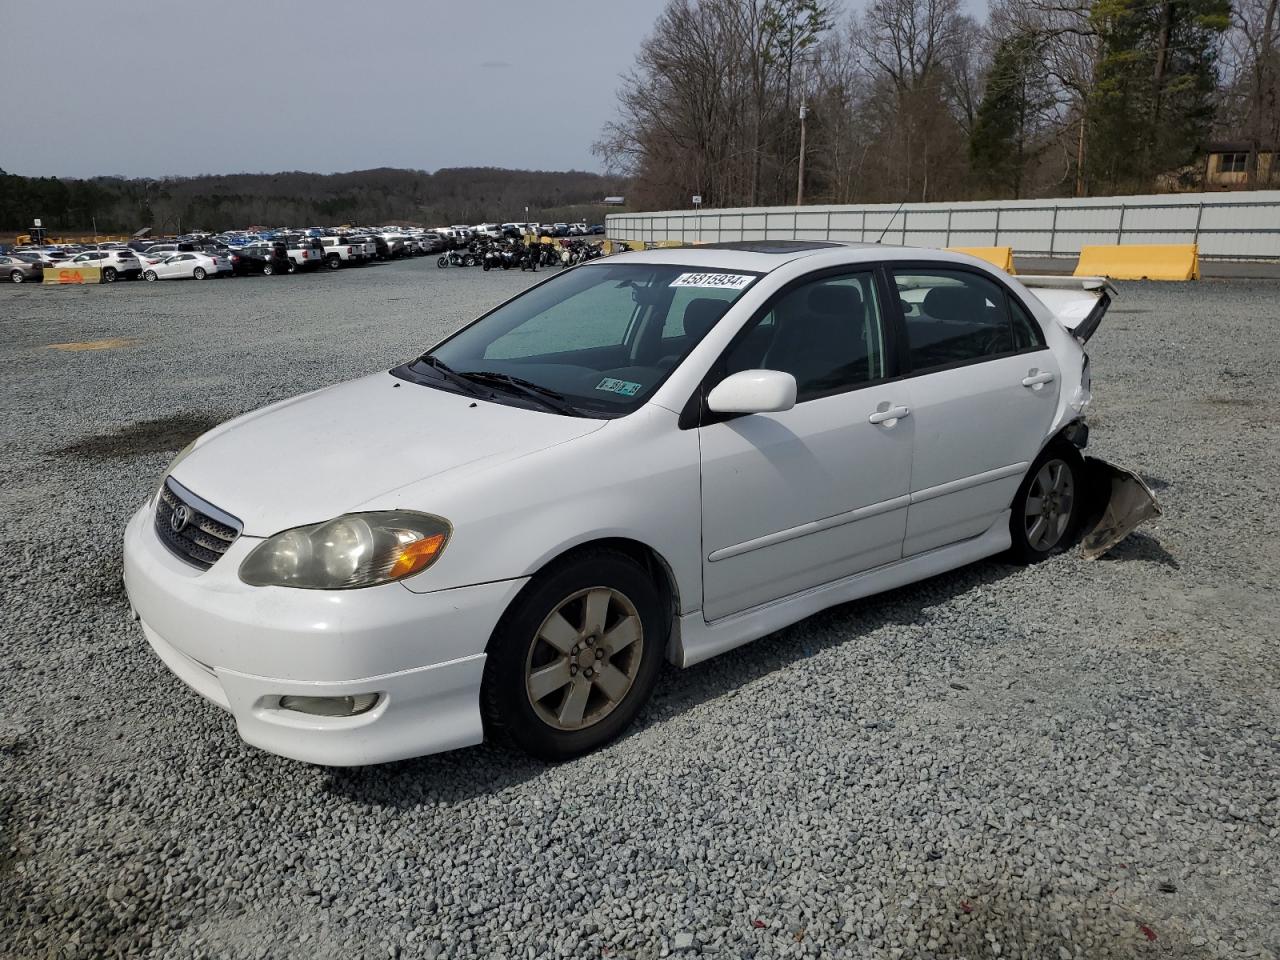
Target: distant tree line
916,100
176,204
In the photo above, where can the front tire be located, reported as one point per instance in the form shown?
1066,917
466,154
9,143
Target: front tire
268,269
575,657
16,276
1047,507
108,274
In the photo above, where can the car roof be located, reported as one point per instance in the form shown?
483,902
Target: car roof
765,256
758,256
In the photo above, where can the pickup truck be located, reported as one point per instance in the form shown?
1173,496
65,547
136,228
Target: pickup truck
306,253
344,250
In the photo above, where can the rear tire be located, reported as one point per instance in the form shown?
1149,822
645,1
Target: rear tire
268,270
17,276
1047,507
575,656
150,276
334,263
199,273
291,268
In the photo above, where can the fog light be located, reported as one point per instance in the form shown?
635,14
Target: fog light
330,706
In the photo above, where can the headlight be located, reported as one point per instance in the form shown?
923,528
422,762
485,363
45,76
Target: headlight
355,550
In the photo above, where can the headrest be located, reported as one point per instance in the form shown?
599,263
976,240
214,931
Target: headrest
831,299
954,303
701,315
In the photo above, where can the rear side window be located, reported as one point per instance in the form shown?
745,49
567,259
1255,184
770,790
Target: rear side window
1027,334
952,317
827,333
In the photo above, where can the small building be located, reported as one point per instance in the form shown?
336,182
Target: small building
1228,165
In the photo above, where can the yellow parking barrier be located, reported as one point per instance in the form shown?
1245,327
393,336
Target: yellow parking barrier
72,275
1001,257
1156,261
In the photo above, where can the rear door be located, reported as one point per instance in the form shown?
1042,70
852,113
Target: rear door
807,496
983,390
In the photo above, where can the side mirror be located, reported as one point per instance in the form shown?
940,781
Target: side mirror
754,391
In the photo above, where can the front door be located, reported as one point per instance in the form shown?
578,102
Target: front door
796,499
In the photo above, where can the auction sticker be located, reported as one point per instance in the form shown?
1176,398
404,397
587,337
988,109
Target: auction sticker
720,281
625,387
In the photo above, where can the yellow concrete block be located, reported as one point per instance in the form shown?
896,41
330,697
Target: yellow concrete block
1001,257
56,276
1154,261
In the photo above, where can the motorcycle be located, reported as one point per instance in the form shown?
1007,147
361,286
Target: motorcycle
456,258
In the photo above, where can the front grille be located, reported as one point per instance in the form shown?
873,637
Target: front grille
207,533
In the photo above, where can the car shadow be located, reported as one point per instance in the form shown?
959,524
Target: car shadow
1141,546
464,774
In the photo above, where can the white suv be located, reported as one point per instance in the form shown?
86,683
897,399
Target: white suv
114,263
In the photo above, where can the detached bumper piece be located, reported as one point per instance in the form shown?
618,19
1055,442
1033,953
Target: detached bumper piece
1122,502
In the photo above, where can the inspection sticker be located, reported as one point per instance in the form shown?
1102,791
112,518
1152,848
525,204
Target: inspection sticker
624,387
723,281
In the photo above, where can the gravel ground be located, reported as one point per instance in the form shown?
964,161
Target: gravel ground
1076,760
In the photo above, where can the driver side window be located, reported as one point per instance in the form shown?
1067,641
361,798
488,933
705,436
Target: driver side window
827,333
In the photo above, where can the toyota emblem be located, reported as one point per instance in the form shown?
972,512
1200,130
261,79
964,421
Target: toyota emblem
180,517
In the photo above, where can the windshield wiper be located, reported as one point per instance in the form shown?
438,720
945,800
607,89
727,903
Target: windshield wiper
545,395
446,371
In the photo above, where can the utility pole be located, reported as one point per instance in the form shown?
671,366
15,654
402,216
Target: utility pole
800,176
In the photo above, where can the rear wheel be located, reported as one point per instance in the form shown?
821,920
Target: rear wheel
199,273
1046,509
291,268
16,276
575,657
268,269
149,276
334,263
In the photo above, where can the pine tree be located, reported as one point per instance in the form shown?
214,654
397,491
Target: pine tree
1152,102
1000,145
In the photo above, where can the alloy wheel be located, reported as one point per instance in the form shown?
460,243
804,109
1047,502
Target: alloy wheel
1049,506
585,658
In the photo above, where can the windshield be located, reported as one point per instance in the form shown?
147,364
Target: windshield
601,337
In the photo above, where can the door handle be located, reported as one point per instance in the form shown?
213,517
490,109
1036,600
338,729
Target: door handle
1034,379
889,415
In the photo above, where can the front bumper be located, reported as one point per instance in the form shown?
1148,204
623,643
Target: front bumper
243,648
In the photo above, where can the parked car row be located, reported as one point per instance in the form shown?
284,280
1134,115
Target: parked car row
268,252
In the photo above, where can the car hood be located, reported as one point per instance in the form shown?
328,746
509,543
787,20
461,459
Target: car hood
337,450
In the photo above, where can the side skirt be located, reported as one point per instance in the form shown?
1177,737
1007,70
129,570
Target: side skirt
699,640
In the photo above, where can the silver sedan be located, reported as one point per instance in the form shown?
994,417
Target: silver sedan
19,270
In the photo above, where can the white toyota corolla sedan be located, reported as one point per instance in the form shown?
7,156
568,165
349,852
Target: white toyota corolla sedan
659,455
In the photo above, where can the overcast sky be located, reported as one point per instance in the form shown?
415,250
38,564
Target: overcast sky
228,86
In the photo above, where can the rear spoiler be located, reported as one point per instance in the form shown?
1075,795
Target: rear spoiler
1078,303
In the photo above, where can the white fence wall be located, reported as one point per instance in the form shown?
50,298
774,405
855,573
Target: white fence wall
1243,226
